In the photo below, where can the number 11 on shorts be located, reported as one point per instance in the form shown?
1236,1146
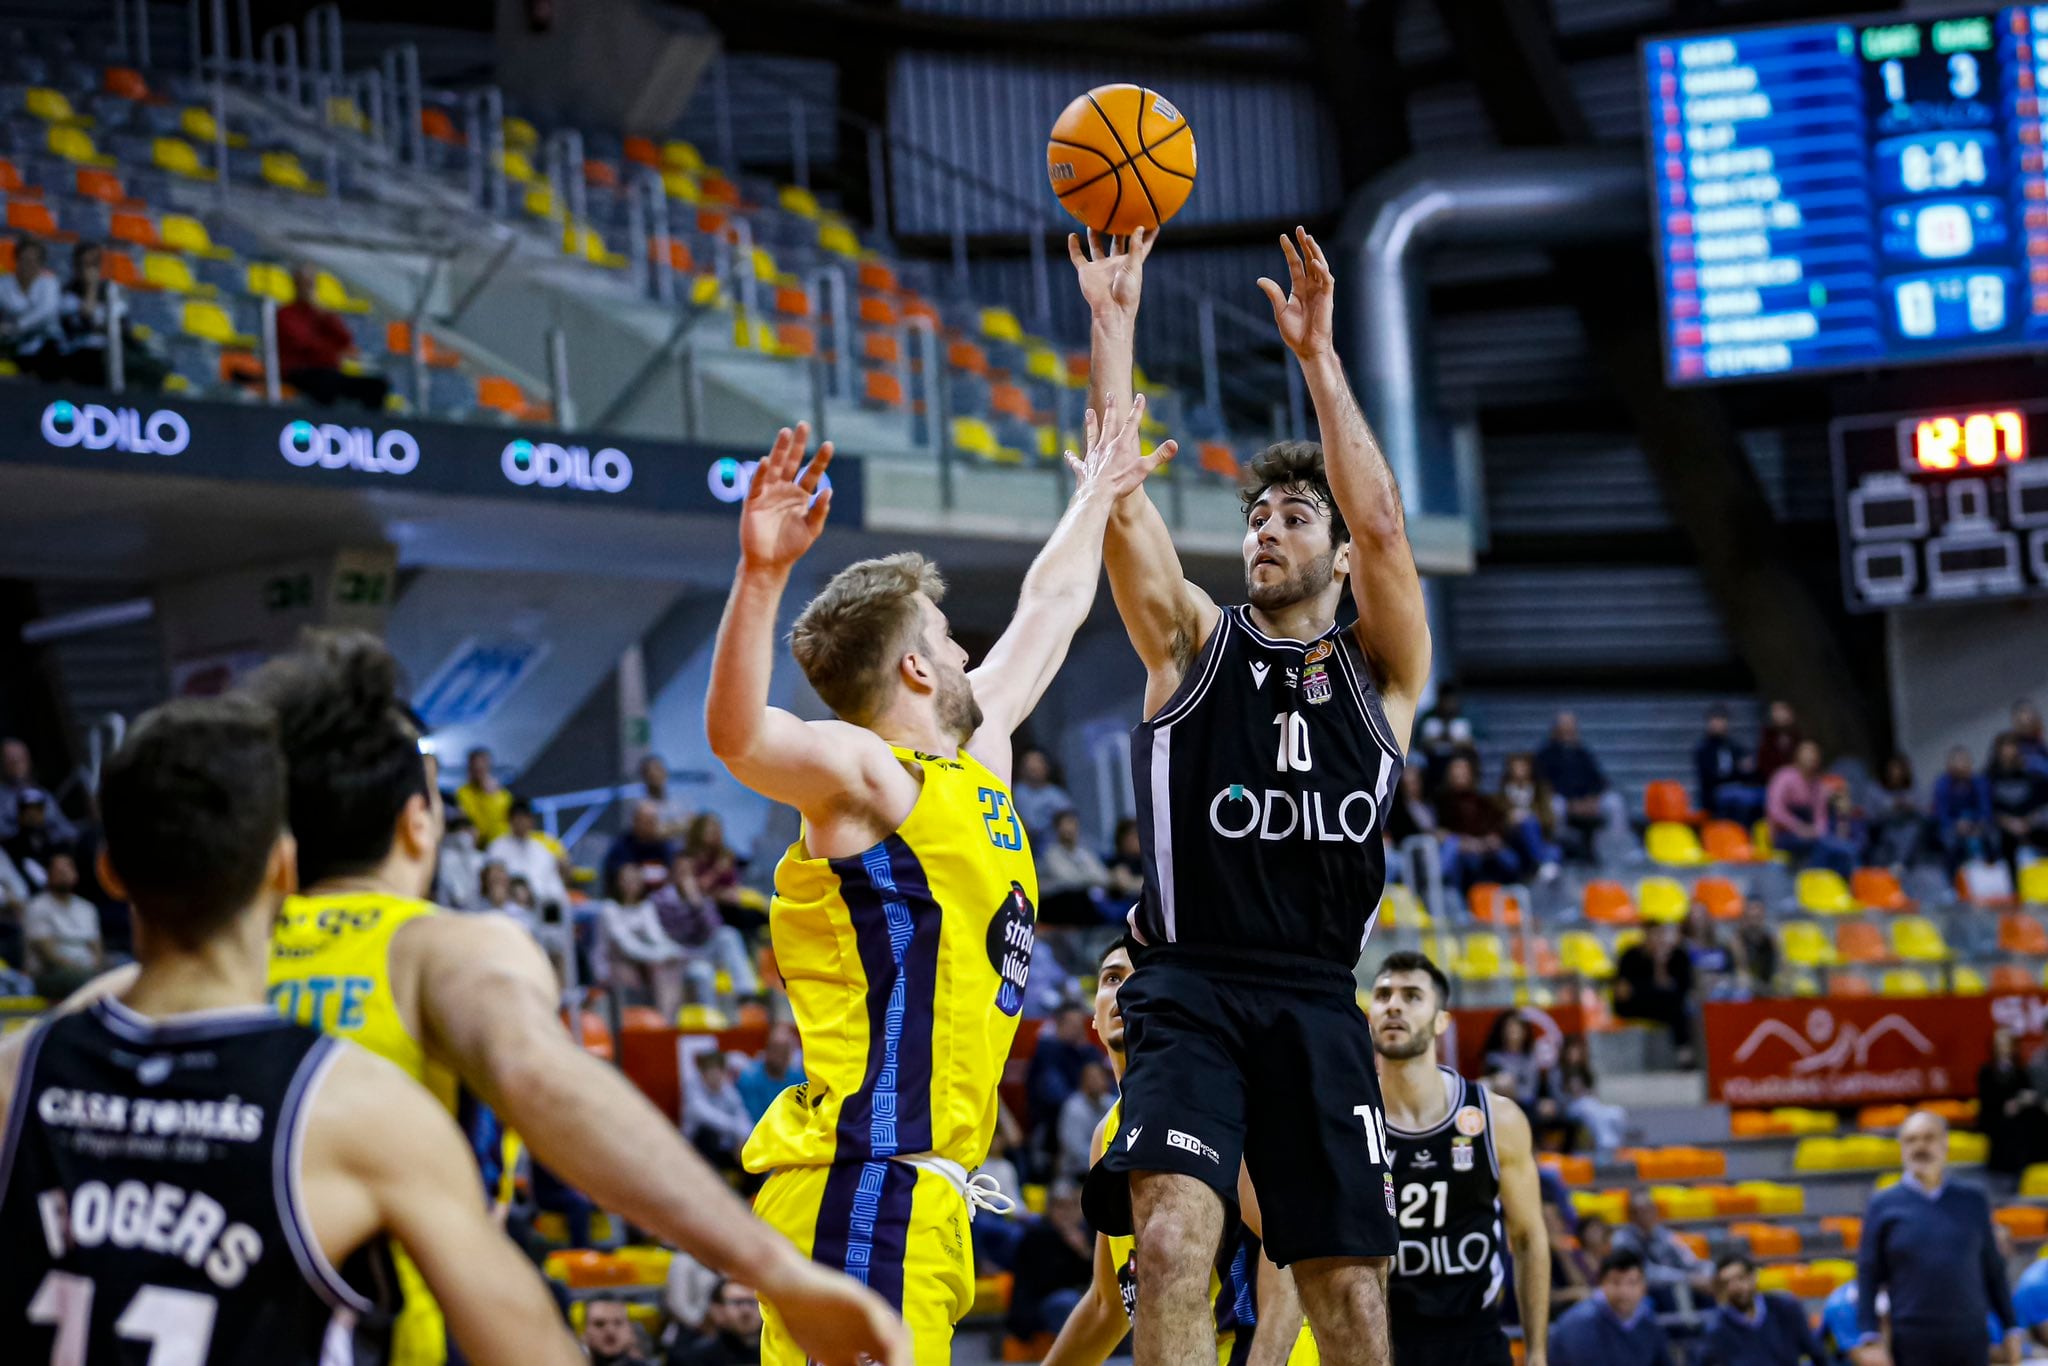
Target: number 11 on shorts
1375,1120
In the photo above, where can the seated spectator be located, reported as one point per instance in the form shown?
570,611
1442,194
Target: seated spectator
61,930
1713,958
1653,981
2028,730
2019,801
1037,797
777,1069
609,1334
1410,812
675,817
31,308
1127,862
17,775
718,873
1614,1326
1777,742
1064,1048
1962,811
1724,775
1748,1328
1574,1259
686,1298
1512,1067
1531,811
494,893
715,1118
1054,1260
1083,1110
311,345
36,839
1667,1261
1073,884
642,845
710,946
86,314
1572,1082
484,799
1895,823
640,957
1585,800
1476,845
459,867
1802,813
2009,1110
733,1330
1756,949
1445,733
527,854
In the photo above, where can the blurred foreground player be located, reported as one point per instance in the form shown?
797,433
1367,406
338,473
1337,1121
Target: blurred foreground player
191,1179
1271,745
1464,1165
903,914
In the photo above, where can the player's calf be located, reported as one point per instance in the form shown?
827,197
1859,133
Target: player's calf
1178,1222
1345,1299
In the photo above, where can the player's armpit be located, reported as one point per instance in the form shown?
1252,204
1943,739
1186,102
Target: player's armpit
1167,617
382,1155
814,766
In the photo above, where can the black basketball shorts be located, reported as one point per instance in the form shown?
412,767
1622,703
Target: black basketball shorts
1478,1342
1226,1058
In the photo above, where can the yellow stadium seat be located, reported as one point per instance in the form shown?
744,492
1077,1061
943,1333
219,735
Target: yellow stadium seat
1612,1206
1799,1121
284,170
1967,981
1802,983
1823,892
974,436
343,112
2034,1181
267,281
1818,1155
763,261
1000,324
1905,982
74,145
1484,957
517,132
1807,945
840,240
1583,953
1775,1198
2034,884
330,293
1774,1280
182,232
1662,900
1674,845
179,158
682,187
210,322
164,271
1401,909
539,200
1861,1152
517,166
1965,1145
51,106
1683,1202
684,156
1916,939
198,123
799,201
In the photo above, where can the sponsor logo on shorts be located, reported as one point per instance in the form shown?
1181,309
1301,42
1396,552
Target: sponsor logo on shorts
1471,1121
1131,1138
1461,1154
1189,1143
1389,1179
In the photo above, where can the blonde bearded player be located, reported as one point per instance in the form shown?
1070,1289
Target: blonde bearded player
903,917
470,1002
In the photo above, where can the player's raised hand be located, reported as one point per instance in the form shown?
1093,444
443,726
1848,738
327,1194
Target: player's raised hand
1112,278
835,1319
1113,464
784,511
1305,313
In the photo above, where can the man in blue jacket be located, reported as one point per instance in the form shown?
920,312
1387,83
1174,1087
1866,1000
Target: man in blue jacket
1749,1329
1614,1326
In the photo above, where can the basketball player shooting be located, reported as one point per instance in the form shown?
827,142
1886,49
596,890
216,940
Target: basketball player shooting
1271,742
902,918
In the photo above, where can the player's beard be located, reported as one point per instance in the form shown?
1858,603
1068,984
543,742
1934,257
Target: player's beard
1299,586
1413,1045
959,713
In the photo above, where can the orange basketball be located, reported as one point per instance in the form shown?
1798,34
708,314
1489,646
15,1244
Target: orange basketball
1121,158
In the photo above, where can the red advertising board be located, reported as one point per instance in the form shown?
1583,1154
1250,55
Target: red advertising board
1465,1049
1856,1051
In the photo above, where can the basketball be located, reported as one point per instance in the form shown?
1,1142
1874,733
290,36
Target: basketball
1120,158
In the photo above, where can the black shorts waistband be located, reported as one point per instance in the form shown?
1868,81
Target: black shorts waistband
1265,966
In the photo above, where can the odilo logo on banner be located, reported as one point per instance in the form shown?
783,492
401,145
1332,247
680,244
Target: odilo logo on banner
95,427
333,447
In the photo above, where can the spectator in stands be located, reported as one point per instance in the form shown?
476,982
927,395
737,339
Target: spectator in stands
1756,949
1411,813
1803,820
710,946
1667,1261
640,957
1056,1063
1577,1089
459,867
1574,1260
1928,1242
1713,958
1476,848
1531,813
675,817
1615,1326
775,1071
1073,884
1962,810
1512,1067
608,1332
1038,798
715,1118
1083,1110
36,839
2028,730
484,799
1752,1329
1724,774
2019,800
1585,800
642,845
718,871
61,930
1778,742
17,775
1054,1261
527,854
86,315
1126,863
494,894
1895,821
1653,981
733,1324
1445,733
31,306
311,345
2009,1110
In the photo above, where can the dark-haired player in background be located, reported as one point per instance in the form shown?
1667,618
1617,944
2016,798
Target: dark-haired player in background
1272,741
183,1171
1464,1163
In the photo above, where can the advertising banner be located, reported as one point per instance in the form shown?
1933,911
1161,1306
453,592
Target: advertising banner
1856,1051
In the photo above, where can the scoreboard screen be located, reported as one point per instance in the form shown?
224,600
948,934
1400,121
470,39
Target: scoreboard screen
1942,506
1851,193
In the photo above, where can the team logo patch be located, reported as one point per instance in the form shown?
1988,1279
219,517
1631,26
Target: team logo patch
1389,1177
153,1070
1471,1122
1315,684
1461,1154
1318,652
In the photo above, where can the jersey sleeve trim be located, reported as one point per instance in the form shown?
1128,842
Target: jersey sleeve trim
287,1173
1353,661
1211,660
17,1112
1485,1102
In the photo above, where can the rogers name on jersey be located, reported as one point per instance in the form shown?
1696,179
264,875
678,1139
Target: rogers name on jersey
1274,814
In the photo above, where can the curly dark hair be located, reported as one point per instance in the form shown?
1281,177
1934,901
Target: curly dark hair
1294,465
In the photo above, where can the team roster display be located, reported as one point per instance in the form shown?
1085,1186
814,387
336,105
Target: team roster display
1849,194
1942,506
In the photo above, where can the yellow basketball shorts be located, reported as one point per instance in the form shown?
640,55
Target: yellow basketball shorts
900,1230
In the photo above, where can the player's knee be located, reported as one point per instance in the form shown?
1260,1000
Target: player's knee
1175,1247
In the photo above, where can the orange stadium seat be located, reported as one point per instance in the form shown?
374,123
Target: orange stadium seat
794,302
795,339
1218,458
875,275
33,218
436,124
2021,933
104,186
680,258
875,311
881,348
1849,984
124,82
2008,977
2022,1221
879,386
500,394
122,270
1722,898
1847,1227
1859,941
1010,400
1727,842
965,355
1876,889
1491,905
1768,1240
642,151
11,181
1608,903
139,229
1665,800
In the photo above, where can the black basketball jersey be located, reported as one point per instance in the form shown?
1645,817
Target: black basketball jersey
150,1211
1261,787
1450,1268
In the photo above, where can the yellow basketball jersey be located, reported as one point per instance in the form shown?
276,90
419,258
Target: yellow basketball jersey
330,967
905,966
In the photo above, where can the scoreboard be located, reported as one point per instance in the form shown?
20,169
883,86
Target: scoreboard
1942,506
1851,193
